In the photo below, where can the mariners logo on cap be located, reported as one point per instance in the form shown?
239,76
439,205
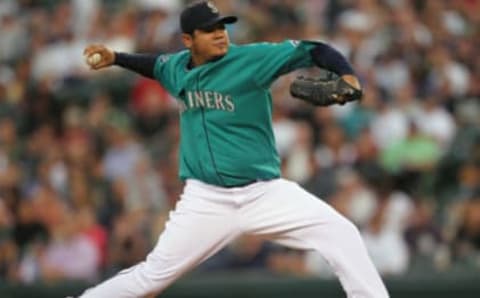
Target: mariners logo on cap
212,7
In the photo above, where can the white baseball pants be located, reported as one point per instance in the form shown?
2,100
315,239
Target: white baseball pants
207,218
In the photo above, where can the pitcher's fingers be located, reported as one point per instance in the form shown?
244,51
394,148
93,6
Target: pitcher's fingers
93,48
99,65
89,50
95,66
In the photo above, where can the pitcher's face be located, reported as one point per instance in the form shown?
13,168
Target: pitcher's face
208,43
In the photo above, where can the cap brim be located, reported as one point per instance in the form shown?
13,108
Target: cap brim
220,19
228,19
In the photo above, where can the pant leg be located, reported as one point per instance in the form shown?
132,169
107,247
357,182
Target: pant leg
197,229
295,218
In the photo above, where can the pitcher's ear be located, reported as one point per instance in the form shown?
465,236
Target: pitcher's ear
187,40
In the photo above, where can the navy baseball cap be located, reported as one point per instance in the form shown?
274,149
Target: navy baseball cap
202,15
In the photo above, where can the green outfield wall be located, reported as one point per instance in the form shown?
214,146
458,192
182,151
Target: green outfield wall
261,286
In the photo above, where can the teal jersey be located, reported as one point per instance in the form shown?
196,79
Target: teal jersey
226,135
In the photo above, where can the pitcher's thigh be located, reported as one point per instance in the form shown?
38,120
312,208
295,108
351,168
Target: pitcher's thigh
295,218
191,235
287,207
291,216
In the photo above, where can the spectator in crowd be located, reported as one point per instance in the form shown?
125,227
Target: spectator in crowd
425,239
467,238
384,231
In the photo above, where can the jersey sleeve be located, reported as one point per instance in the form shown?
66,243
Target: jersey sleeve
164,72
275,59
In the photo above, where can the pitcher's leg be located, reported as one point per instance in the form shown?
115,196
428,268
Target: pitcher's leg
194,232
300,220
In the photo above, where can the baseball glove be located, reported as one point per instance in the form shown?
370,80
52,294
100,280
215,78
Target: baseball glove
324,92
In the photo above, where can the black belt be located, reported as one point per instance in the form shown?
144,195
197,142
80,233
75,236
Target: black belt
247,183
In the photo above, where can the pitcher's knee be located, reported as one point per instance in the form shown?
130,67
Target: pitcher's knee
161,270
346,228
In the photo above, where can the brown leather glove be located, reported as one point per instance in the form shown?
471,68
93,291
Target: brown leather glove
324,92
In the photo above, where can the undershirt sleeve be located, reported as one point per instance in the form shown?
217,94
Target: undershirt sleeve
140,63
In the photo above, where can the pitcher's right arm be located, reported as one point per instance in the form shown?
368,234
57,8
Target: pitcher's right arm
142,64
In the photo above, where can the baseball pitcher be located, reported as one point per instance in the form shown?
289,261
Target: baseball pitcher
228,157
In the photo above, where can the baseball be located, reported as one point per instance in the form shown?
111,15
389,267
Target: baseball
94,59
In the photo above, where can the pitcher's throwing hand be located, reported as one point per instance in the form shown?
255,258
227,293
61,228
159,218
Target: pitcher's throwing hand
98,56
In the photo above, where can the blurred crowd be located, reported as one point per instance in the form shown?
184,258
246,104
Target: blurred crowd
88,160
